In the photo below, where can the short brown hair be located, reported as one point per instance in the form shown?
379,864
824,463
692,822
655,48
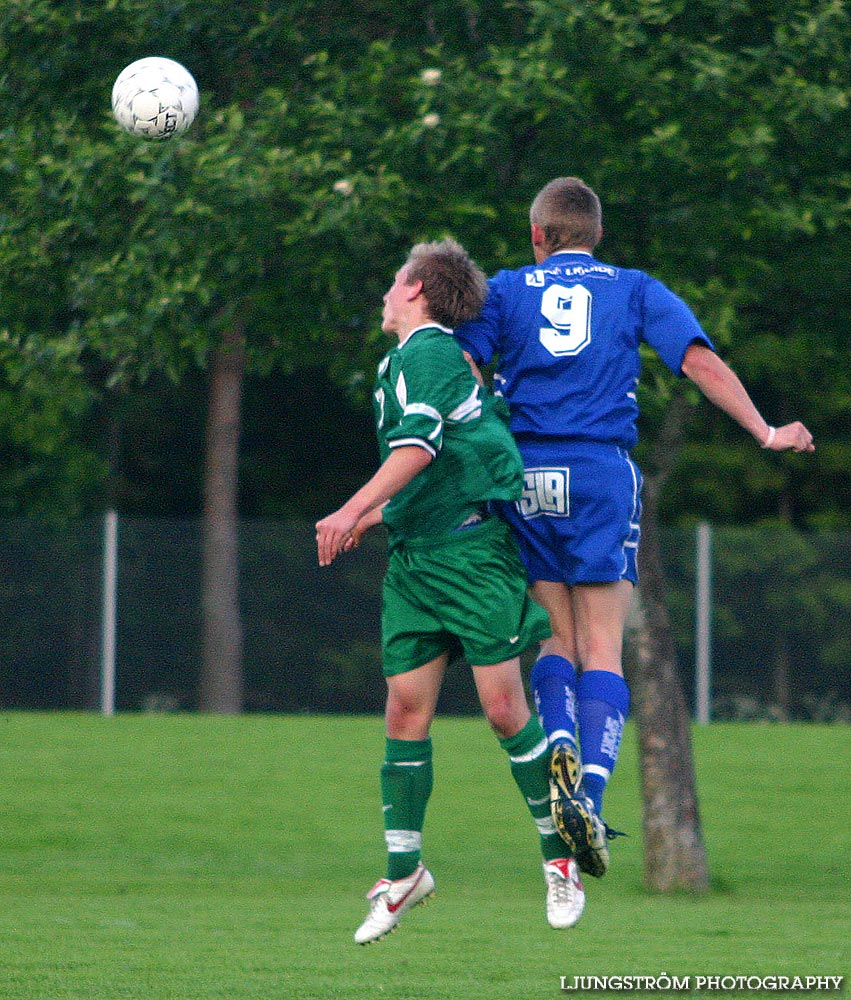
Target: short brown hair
569,213
454,286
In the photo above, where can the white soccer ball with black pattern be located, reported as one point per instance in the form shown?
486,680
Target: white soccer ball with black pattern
155,98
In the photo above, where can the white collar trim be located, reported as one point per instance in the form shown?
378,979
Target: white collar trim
425,326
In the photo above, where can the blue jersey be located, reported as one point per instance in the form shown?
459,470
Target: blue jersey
567,333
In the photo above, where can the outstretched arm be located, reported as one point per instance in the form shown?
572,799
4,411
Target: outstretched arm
397,470
721,386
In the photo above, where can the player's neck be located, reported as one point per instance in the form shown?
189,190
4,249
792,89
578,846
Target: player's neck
543,253
586,250
414,321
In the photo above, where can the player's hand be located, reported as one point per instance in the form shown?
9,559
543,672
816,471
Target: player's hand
354,537
792,436
369,520
333,533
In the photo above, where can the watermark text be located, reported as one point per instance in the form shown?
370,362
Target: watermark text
686,984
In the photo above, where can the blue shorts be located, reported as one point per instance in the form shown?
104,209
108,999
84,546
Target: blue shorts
578,521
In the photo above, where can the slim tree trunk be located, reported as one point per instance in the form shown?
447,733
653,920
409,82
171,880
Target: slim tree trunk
674,853
221,682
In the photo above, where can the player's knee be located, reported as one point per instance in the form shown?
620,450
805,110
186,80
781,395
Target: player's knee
407,720
505,715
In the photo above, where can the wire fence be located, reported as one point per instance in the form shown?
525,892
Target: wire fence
761,619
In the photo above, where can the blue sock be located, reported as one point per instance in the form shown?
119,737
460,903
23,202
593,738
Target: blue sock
554,687
602,709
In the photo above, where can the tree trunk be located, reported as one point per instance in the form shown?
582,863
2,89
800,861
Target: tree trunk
674,853
221,682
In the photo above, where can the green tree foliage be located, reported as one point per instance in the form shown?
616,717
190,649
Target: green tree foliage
45,454
717,135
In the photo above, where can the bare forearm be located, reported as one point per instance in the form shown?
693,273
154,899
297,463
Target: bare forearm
338,530
721,386
399,468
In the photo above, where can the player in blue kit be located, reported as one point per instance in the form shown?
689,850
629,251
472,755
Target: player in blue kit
566,332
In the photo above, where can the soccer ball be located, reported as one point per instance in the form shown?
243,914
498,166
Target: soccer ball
155,98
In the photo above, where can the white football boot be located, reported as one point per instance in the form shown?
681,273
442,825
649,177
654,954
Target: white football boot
390,900
565,895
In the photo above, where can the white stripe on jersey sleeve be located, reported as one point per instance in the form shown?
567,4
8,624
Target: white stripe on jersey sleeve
424,410
417,442
470,409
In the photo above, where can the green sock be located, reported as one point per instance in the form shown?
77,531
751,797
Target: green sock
406,781
528,753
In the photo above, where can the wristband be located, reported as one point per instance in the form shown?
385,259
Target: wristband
770,439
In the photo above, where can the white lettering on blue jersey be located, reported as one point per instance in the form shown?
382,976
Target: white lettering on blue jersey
545,491
568,371
569,311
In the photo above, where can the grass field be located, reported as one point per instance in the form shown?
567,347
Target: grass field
178,857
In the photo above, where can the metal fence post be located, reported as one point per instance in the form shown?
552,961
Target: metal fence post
703,623
109,612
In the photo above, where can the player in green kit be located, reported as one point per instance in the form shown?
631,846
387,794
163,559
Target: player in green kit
454,582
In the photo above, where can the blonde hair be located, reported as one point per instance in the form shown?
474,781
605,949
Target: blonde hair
569,213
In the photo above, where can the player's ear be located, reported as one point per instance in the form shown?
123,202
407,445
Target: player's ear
540,250
413,289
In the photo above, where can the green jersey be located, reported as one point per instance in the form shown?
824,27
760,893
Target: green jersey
426,396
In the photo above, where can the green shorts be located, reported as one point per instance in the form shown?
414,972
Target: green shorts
464,592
